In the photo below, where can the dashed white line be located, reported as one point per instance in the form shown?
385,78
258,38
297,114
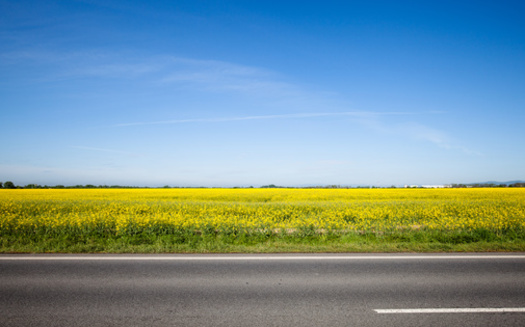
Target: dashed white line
452,310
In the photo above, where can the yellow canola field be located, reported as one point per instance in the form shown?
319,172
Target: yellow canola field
121,211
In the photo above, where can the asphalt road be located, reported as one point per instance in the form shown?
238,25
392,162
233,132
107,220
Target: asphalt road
260,290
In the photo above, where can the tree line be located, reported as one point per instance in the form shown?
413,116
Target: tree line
11,185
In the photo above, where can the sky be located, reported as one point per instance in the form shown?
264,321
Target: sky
251,93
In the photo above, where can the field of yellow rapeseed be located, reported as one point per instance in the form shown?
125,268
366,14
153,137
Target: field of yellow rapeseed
128,211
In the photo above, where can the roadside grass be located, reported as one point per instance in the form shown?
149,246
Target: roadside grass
304,241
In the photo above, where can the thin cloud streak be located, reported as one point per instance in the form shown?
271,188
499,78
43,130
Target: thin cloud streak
214,74
361,114
105,150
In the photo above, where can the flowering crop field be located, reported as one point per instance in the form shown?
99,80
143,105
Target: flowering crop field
299,212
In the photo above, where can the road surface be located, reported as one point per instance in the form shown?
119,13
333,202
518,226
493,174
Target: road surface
263,290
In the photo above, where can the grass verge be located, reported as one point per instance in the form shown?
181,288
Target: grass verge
300,241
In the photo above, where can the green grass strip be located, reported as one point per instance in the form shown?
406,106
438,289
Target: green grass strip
300,241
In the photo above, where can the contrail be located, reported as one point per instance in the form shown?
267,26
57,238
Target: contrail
282,116
103,150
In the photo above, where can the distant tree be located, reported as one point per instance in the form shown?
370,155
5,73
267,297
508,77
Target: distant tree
32,186
1,186
269,186
332,186
9,185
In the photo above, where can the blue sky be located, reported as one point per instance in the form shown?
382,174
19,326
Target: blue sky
240,93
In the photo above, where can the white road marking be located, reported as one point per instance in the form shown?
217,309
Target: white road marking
452,310
103,257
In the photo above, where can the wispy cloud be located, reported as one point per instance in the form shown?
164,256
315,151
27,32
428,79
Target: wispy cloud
131,154
369,119
361,114
439,138
207,75
220,76
434,136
